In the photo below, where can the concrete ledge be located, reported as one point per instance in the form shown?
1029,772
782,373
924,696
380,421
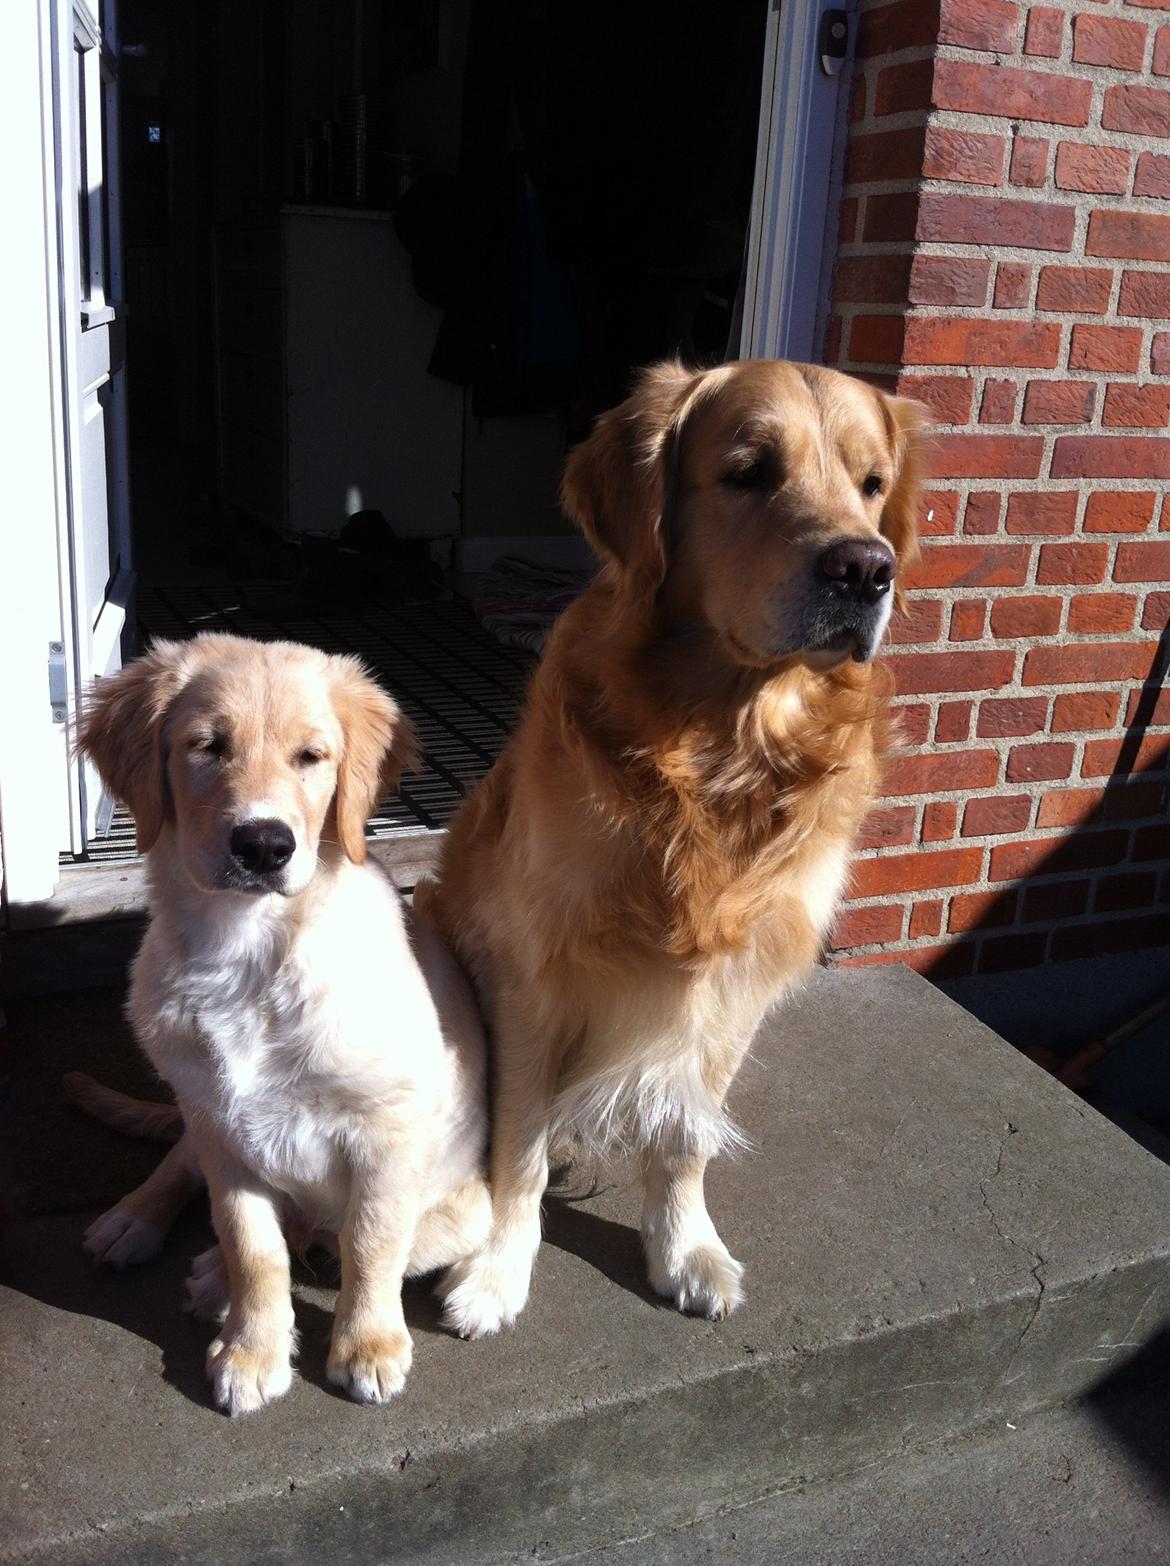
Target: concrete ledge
937,1236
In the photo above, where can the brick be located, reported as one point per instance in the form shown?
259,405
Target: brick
1153,176
871,279
1053,855
1007,93
939,820
1080,289
867,926
1029,164
904,87
920,622
926,919
1086,663
889,218
979,24
1013,344
900,26
986,456
1047,512
996,220
1156,614
858,97
913,723
1039,763
1111,456
1032,617
1057,900
1152,705
1118,511
1104,348
1143,562
1100,170
876,339
948,397
847,225
1144,111
1114,757
1045,32
891,826
1069,807
921,673
1102,614
1084,710
1161,61
982,910
884,155
1110,935
1102,40
967,619
995,817
1136,407
1072,563
1136,236
1119,893
1144,294
982,513
1008,717
953,723
1004,952
1126,799
948,280
1059,402
999,402
916,872
1160,353
941,962
937,774
1152,843
1013,284
967,157
970,565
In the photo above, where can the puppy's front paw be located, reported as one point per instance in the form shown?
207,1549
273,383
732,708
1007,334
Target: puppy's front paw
370,1366
207,1286
246,1373
119,1239
703,1281
485,1291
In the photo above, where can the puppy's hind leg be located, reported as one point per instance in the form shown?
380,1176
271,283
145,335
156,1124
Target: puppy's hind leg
135,1229
452,1229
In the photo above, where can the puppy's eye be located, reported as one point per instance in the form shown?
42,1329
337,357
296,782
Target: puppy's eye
211,745
758,475
309,758
872,486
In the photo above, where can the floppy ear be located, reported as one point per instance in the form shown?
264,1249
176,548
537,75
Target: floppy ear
906,422
120,729
378,745
616,482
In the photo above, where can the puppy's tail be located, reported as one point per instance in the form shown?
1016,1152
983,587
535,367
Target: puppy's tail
137,1116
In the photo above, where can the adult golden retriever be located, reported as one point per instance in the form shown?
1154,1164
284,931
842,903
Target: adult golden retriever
326,1051
657,856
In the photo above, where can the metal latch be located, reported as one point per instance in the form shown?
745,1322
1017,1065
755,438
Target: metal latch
58,684
834,41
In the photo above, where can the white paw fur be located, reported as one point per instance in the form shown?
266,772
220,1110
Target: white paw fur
242,1378
119,1239
488,1289
372,1369
207,1286
702,1279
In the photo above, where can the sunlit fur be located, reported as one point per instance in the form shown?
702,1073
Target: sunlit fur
326,1052
657,856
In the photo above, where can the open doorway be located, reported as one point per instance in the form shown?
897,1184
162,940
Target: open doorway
385,260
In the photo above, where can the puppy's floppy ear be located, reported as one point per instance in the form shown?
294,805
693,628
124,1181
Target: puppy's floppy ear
616,482
378,745
906,425
120,729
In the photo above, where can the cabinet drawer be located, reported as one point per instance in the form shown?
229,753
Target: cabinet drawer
253,472
251,393
250,321
249,255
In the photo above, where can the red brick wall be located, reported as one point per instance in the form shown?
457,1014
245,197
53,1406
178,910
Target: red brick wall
1004,237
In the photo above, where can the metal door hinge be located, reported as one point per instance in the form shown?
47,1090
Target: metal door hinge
58,683
834,41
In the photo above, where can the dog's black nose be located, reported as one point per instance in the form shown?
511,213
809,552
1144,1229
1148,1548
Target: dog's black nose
260,846
858,568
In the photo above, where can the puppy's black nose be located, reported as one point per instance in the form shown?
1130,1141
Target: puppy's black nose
858,568
260,846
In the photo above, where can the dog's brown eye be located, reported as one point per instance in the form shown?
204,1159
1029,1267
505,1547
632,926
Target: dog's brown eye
760,474
309,758
209,745
872,486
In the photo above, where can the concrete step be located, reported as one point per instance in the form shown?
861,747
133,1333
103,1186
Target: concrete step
938,1238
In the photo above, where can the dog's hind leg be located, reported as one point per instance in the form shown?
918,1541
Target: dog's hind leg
452,1229
135,1229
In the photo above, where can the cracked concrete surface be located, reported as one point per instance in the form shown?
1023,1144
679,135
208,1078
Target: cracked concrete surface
938,1237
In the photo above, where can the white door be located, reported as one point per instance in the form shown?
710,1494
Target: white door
94,523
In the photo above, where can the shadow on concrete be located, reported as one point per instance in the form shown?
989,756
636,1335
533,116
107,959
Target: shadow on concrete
614,1249
1130,1404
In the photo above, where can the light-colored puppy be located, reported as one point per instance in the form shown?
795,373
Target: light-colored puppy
657,856
330,1077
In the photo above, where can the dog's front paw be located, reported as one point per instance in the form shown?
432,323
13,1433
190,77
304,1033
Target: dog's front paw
703,1281
485,1291
371,1366
207,1286
246,1373
119,1239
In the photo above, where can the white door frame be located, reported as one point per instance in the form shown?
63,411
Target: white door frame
790,202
